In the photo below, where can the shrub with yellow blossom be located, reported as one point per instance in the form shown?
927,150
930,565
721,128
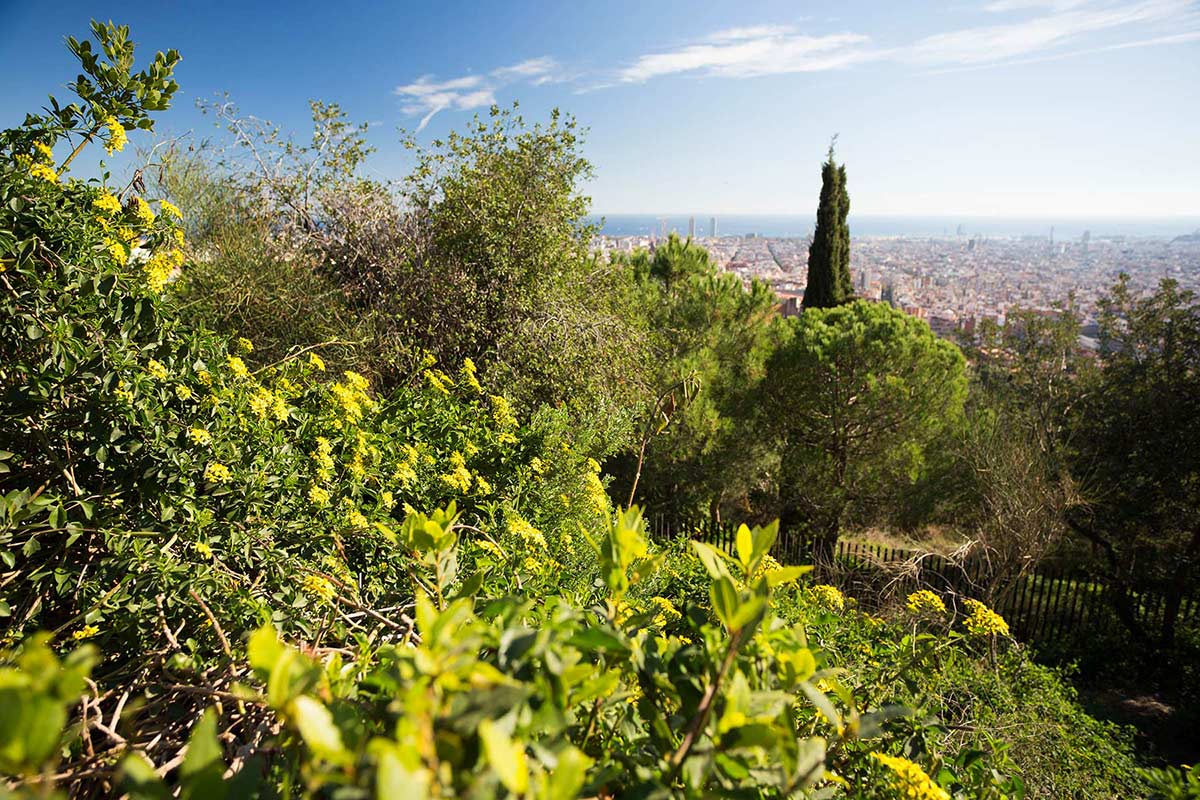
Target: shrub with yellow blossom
827,597
909,780
546,676
983,621
924,603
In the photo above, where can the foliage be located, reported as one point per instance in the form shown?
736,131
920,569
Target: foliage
1143,479
709,339
829,282
303,586
855,394
248,279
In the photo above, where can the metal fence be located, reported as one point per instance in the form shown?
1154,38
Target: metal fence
1048,602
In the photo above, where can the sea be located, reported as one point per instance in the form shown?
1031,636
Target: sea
780,226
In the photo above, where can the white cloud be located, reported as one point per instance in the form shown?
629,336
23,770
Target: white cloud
426,96
1001,6
992,43
1045,30
751,52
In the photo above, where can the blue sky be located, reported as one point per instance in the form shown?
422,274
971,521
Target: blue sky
973,107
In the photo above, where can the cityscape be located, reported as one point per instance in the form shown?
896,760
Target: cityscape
956,281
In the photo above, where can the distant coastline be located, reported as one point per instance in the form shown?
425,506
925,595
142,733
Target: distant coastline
876,225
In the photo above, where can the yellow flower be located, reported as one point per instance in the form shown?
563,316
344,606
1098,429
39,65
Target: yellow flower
199,436
156,369
44,152
502,412
116,136
828,597
205,377
356,520
983,621
116,251
237,366
244,345
925,602
216,472
536,465
43,172
265,403
127,234
437,380
767,565
387,500
86,632
183,392
170,209
482,487
318,496
468,373
315,362
202,548
318,586
910,781
667,612
107,204
597,497
404,474
459,476
356,381
490,547
161,266
143,212
324,458
529,535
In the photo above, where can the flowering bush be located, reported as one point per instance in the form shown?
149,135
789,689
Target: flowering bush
301,587
925,603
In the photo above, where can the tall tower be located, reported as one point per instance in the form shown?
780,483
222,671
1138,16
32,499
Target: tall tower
1087,238
691,227
712,227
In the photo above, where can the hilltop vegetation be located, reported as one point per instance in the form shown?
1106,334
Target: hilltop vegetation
310,490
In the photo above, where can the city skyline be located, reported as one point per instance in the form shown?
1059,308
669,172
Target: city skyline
988,108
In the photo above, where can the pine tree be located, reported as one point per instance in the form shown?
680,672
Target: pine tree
829,282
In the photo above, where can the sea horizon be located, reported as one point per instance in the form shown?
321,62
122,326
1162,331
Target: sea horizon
933,225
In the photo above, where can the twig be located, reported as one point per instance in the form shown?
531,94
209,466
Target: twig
216,625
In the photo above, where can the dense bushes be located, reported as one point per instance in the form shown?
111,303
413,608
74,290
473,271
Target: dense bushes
237,578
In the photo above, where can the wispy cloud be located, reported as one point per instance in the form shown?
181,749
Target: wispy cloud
752,52
426,96
1029,31
995,43
1001,6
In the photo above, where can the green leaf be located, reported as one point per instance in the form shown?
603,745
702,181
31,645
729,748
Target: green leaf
393,779
264,649
712,558
317,727
203,764
568,776
777,577
745,547
724,600
140,781
506,758
598,639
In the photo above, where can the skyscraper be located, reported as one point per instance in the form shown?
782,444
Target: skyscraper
691,227
712,227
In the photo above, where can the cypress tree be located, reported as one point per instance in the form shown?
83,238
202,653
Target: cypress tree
829,282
